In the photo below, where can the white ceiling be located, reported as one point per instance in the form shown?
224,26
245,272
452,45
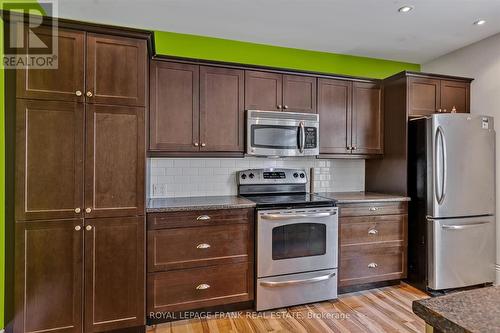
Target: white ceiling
372,28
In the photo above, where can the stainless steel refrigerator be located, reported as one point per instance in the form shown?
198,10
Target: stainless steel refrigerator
451,178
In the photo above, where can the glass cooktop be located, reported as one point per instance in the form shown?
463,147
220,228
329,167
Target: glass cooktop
292,200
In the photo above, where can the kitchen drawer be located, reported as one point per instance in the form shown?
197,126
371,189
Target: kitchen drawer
201,246
195,218
372,229
195,288
371,263
373,208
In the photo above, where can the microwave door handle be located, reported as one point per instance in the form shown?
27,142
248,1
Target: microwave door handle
302,137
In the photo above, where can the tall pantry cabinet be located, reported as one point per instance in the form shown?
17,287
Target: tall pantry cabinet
79,185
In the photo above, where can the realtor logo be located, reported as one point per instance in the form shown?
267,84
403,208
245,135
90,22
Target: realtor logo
30,36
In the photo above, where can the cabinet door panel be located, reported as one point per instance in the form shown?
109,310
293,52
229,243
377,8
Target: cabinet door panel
49,159
424,96
114,162
367,128
174,110
221,109
263,91
299,93
61,83
455,95
334,108
116,70
114,273
48,276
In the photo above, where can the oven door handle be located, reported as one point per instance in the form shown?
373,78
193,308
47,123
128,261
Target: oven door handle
278,217
302,137
315,279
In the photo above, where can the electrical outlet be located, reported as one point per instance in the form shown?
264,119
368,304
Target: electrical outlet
159,190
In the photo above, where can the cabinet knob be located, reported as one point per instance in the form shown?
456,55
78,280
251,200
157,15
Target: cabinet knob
77,210
354,148
453,109
439,110
203,246
88,210
196,144
372,231
445,110
78,228
88,228
285,107
372,265
203,218
279,106
78,93
203,144
373,209
203,286
89,93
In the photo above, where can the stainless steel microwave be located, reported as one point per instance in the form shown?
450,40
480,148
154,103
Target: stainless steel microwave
280,134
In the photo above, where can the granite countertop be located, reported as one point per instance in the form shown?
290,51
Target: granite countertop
359,197
158,205
474,311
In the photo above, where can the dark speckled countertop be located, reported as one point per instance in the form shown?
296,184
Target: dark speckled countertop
159,205
360,197
474,311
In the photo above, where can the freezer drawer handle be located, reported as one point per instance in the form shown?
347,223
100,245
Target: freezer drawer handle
462,226
295,216
296,282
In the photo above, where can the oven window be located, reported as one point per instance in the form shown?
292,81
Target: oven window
273,136
299,240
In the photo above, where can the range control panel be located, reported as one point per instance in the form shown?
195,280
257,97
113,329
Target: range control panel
271,176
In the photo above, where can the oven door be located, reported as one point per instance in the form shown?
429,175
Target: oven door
292,241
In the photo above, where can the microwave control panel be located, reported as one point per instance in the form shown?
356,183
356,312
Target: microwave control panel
311,137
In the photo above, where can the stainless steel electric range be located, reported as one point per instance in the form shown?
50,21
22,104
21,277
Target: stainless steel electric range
296,238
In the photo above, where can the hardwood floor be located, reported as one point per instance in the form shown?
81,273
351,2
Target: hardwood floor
385,309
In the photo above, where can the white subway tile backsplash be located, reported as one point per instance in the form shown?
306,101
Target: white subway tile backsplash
176,177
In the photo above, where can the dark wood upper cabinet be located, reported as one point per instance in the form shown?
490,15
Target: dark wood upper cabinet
367,119
114,161
114,273
424,96
49,159
263,91
64,83
334,108
116,70
221,109
299,93
455,96
48,276
174,107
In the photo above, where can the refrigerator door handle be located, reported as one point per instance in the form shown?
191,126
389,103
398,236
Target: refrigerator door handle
440,167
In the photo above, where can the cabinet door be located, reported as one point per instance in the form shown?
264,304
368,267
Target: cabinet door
455,95
263,91
299,93
64,83
424,96
114,273
49,159
114,161
116,70
48,276
221,109
174,110
334,108
367,119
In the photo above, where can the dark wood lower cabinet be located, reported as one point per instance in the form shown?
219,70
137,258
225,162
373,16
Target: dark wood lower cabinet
48,276
114,273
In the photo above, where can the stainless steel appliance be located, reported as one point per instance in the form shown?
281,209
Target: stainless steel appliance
297,238
271,133
452,212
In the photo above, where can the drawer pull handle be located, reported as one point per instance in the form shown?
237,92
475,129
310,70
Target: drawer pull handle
372,231
203,246
203,286
203,218
373,209
372,265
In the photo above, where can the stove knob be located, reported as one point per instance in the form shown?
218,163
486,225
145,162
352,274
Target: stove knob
243,176
302,175
295,175
251,175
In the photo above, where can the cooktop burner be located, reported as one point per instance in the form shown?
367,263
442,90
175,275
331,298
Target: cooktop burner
289,200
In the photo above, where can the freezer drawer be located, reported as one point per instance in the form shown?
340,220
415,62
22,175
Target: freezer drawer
461,252
292,289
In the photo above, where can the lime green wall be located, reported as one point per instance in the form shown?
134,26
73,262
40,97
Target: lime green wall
2,182
209,48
